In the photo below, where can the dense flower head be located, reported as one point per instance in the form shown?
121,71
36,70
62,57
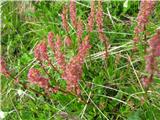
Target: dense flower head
153,53
146,8
3,68
40,51
154,44
99,17
59,56
90,24
150,63
73,70
50,40
35,77
147,81
73,13
79,29
65,19
68,41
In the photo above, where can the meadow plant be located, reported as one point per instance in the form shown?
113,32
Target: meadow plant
91,18
151,58
73,13
146,9
71,70
3,68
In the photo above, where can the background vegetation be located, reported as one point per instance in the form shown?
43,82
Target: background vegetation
115,91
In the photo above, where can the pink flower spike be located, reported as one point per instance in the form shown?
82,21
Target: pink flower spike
59,56
40,52
146,81
35,77
73,70
91,18
3,68
146,8
50,40
68,41
79,29
73,13
65,19
99,17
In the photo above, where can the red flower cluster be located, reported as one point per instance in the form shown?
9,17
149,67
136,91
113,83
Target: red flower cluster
146,8
154,44
73,13
154,51
151,61
3,68
35,77
91,18
65,19
79,29
73,70
68,41
59,56
50,42
40,51
99,18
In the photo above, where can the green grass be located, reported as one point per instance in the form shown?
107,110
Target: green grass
113,86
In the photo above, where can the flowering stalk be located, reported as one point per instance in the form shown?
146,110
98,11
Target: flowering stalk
35,77
146,8
65,18
99,21
3,68
73,70
59,56
73,13
40,51
90,24
151,61
68,40
99,17
50,41
79,30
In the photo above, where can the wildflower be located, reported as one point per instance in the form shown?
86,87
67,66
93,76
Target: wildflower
40,51
99,18
90,24
59,56
73,70
68,41
146,8
3,68
50,42
65,19
150,63
154,44
54,90
153,52
79,29
73,13
35,77
146,81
